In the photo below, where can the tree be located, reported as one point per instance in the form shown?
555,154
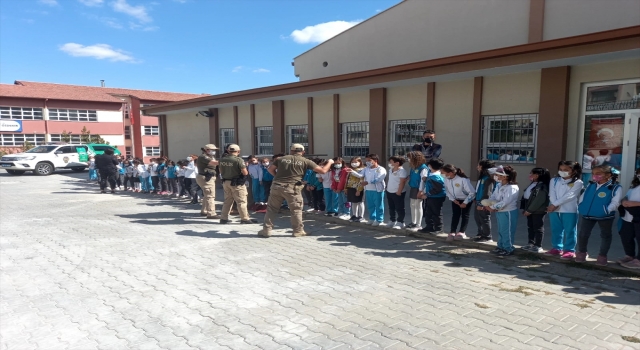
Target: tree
27,146
65,136
86,137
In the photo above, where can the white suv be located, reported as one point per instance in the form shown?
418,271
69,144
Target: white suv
44,160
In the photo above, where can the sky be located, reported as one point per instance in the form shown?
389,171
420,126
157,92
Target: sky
194,46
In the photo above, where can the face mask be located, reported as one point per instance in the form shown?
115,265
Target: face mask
598,178
390,165
428,139
531,178
563,173
368,164
265,164
189,159
212,153
338,166
496,178
355,165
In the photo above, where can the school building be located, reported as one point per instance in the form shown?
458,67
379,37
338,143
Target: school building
41,112
524,82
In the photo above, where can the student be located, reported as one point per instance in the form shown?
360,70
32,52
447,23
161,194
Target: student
330,197
93,172
136,176
255,170
373,181
120,175
534,203
396,192
432,190
315,186
145,177
630,225
505,205
163,182
338,181
484,188
419,170
190,173
181,183
461,194
267,178
597,205
564,191
172,178
128,175
153,174
355,190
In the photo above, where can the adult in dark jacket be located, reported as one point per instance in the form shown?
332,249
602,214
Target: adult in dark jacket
107,166
428,147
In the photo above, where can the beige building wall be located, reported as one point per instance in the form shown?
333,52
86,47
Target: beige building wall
593,73
264,114
295,112
354,106
419,30
323,134
225,118
511,93
407,102
453,114
186,134
244,129
563,18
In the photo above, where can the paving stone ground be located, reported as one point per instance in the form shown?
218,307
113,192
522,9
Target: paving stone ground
82,270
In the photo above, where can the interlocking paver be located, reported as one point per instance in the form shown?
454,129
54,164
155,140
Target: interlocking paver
141,272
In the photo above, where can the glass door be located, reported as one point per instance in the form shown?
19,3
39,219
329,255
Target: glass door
631,160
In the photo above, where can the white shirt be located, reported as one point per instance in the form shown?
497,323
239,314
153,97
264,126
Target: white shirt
634,196
587,163
507,198
601,159
190,171
394,180
152,169
374,178
142,170
459,188
180,172
564,194
326,179
527,192
506,157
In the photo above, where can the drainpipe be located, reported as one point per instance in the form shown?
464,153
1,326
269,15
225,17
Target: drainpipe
45,116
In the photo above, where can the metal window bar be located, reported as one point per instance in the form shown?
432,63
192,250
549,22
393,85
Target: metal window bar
404,134
355,139
25,113
20,139
73,115
510,138
152,151
297,134
151,130
264,140
227,136
72,138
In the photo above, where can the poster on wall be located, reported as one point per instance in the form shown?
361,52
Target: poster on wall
11,125
604,140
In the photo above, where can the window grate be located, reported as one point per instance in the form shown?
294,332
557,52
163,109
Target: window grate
355,139
297,134
20,139
264,140
510,138
404,134
25,113
227,136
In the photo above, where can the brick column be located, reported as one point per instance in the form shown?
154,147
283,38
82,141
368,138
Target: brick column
278,127
476,127
214,128
136,122
553,116
378,123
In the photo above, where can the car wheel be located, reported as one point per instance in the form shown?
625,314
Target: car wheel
15,172
44,169
78,169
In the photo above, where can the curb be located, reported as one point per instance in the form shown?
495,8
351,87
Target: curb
612,267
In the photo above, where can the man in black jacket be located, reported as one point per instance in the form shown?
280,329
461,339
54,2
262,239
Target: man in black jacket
428,147
107,166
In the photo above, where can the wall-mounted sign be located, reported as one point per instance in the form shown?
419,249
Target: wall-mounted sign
11,125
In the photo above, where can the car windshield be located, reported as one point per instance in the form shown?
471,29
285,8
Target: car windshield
42,149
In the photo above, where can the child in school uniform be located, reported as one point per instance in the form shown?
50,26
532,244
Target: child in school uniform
338,180
374,186
534,203
564,191
256,172
314,185
355,190
598,205
128,175
330,201
419,170
181,183
630,225
484,188
136,176
172,178
433,192
461,194
93,172
145,177
267,178
504,202
396,192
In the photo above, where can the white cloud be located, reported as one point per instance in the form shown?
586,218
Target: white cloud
237,69
48,2
321,32
378,10
97,51
139,12
181,1
92,2
261,70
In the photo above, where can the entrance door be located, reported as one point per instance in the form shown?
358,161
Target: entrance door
611,138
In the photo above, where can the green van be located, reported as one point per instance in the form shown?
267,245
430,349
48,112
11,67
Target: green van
97,148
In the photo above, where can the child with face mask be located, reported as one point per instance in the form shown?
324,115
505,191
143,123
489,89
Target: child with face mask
355,190
630,225
461,194
505,205
314,184
256,172
267,179
330,196
564,191
396,192
432,190
419,171
339,178
374,186
534,203
598,205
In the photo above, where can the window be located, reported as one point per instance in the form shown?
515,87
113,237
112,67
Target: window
297,134
70,149
403,134
127,133
72,138
21,113
227,136
125,111
73,115
101,148
264,140
613,97
151,130
151,151
355,139
19,139
127,151
510,138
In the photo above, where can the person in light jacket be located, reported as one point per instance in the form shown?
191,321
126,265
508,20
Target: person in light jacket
564,192
374,186
504,202
461,194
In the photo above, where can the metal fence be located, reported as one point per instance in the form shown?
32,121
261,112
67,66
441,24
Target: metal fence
227,136
264,140
297,134
510,138
403,134
355,139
